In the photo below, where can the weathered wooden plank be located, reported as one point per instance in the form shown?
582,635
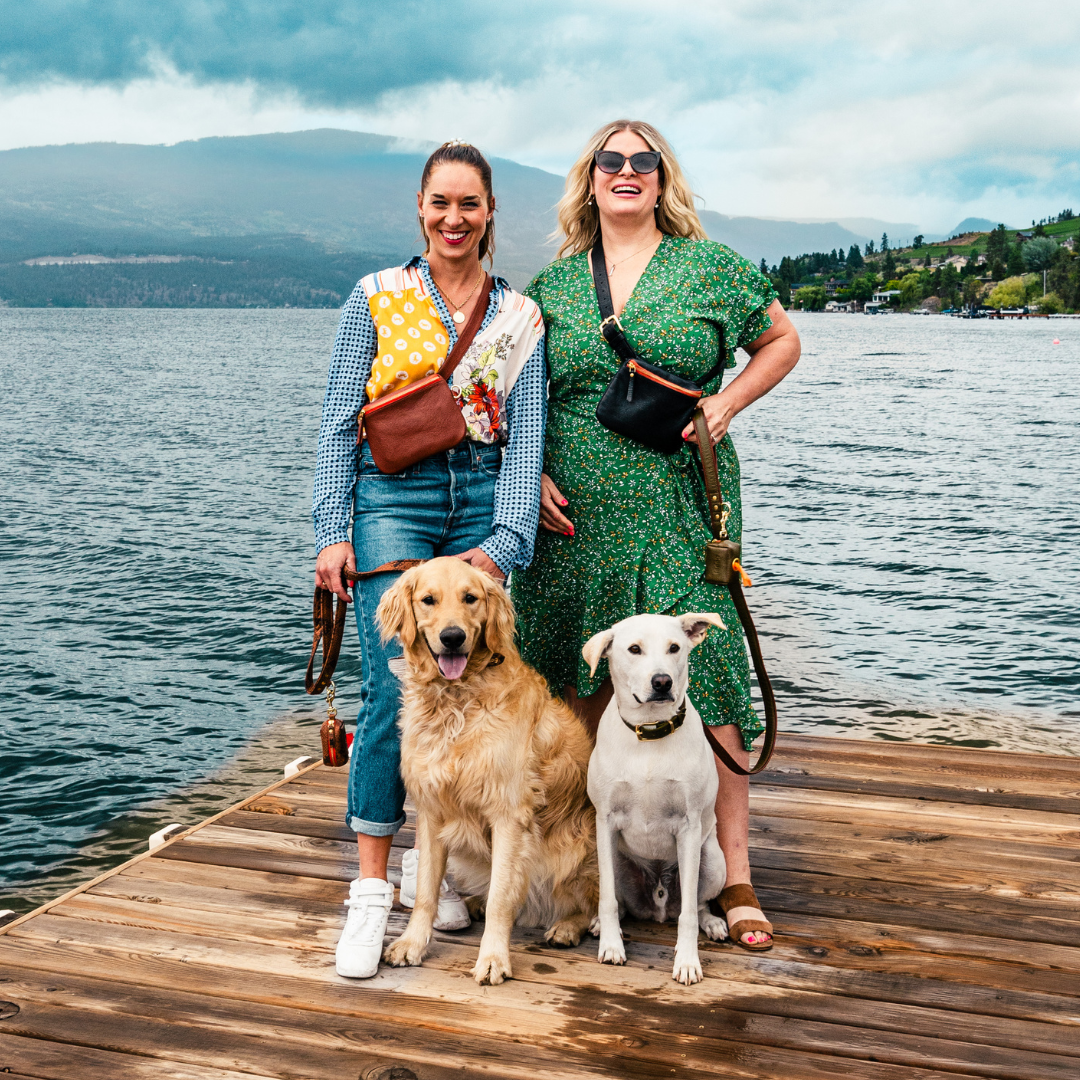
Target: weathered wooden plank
891,782
325,907
966,819
62,1060
917,894
763,985
672,1035
827,748
294,824
919,846
339,1053
947,878
308,866
843,903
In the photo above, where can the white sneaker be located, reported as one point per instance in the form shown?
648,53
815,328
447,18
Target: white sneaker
361,942
452,913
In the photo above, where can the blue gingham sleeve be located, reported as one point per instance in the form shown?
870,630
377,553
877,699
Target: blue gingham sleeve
335,469
517,491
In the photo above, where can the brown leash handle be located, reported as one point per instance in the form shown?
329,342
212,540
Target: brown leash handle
711,472
329,623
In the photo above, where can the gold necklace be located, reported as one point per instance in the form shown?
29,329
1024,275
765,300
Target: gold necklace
458,317
654,243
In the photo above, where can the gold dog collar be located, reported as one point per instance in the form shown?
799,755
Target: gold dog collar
659,729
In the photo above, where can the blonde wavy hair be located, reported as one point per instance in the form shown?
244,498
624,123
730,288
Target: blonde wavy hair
579,220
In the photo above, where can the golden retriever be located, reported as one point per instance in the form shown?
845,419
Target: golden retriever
494,764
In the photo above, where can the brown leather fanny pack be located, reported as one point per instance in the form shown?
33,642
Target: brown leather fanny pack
424,418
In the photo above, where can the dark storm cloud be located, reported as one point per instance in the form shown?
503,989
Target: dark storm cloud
331,52
347,52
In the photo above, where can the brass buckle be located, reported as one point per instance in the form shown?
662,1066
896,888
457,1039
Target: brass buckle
660,730
610,319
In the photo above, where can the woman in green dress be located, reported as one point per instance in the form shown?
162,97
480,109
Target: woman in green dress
624,526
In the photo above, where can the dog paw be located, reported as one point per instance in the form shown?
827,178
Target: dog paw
687,970
714,927
476,905
492,970
566,933
403,953
594,927
611,951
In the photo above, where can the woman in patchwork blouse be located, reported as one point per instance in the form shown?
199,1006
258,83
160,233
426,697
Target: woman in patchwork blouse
478,501
625,527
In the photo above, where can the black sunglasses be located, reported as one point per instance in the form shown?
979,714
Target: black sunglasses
611,161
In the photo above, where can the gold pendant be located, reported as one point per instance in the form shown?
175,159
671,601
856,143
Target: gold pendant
458,318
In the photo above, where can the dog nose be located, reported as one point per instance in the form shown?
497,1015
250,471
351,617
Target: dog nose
453,637
661,684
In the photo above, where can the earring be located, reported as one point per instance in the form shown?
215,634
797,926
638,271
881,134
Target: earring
591,199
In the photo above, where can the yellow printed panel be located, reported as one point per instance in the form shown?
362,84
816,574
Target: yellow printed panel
412,341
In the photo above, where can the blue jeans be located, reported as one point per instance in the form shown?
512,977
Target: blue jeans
443,505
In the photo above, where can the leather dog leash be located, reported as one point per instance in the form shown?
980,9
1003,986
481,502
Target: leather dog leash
721,568
329,620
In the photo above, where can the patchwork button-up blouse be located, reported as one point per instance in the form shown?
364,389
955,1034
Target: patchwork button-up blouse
395,329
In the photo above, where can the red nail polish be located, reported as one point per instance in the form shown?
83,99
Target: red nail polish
566,502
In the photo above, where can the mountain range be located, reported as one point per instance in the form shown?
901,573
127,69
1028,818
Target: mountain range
301,213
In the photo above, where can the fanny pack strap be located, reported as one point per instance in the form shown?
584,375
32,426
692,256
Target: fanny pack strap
469,330
611,328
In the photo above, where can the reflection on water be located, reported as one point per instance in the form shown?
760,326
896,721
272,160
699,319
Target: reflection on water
911,523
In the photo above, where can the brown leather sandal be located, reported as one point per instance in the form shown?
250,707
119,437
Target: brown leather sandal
739,896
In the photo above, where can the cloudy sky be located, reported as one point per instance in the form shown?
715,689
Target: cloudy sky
915,110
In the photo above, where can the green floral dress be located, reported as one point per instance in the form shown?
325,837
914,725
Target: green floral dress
640,518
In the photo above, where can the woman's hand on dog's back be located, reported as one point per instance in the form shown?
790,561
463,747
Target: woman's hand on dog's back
551,498
328,567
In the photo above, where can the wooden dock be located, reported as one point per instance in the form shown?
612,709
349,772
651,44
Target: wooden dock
926,902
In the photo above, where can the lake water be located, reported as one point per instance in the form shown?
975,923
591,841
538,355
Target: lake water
912,527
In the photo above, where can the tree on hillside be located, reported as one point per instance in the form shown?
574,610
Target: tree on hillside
918,241
996,245
1039,253
764,267
1015,262
854,258
1040,230
884,241
869,247
888,266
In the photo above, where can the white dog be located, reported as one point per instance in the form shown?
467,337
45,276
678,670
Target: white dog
653,782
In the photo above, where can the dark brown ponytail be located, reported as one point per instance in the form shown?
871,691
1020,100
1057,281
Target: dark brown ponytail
463,154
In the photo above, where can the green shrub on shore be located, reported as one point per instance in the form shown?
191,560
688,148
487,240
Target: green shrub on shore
1050,304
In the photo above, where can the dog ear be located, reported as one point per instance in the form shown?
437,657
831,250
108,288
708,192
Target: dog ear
394,614
501,618
596,648
696,625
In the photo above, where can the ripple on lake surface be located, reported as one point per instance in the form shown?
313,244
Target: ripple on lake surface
911,526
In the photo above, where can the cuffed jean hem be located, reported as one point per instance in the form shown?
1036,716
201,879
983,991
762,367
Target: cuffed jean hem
375,828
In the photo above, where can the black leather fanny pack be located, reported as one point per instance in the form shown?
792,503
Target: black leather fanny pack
644,402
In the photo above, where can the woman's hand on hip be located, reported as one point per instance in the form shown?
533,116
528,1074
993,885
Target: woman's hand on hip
328,566
551,498
718,416
478,557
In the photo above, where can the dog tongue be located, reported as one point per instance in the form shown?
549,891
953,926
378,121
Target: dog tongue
452,666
